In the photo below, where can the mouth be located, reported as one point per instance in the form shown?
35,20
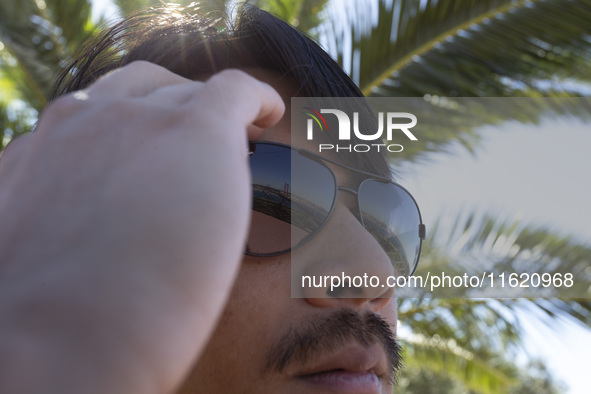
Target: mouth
352,369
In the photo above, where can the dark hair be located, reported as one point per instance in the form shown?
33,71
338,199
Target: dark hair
196,46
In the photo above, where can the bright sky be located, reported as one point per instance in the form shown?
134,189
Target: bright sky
540,175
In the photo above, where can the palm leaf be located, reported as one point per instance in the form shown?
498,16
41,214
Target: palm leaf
306,15
464,47
14,121
485,328
476,244
507,242
482,327
73,19
444,355
37,35
443,121
127,7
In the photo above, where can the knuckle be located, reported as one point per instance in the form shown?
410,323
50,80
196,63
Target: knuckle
230,86
132,69
232,76
145,69
64,106
140,65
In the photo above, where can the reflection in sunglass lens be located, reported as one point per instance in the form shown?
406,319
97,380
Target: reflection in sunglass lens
282,220
314,192
390,214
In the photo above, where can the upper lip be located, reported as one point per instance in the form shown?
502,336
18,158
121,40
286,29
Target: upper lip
351,358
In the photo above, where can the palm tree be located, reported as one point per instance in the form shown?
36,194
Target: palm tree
35,38
398,48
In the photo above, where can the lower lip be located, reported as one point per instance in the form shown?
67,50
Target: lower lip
345,382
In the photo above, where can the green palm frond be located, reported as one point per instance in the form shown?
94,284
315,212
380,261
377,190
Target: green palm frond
14,121
464,47
306,15
39,35
505,242
477,243
578,309
16,117
72,17
127,7
444,355
482,327
531,379
487,328
473,341
444,121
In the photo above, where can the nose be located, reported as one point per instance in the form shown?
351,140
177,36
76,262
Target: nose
343,265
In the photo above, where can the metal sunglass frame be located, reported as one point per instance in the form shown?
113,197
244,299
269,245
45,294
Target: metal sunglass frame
321,160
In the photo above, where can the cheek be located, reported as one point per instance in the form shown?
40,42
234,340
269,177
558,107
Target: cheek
390,314
256,315
260,297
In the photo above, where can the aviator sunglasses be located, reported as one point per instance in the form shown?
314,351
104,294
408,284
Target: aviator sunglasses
295,192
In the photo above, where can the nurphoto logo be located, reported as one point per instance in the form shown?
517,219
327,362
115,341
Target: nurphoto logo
392,121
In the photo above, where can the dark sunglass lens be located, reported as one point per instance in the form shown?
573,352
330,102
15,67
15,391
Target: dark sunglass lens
391,215
314,192
287,208
271,190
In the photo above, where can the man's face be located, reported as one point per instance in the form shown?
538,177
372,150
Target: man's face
268,342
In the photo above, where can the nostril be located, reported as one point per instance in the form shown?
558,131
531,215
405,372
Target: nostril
334,292
344,291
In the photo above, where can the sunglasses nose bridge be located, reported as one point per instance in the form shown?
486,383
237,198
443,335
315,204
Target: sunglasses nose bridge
347,190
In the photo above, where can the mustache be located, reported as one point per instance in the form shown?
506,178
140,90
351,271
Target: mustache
303,345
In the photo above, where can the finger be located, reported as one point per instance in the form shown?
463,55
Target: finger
136,79
272,106
252,101
177,94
